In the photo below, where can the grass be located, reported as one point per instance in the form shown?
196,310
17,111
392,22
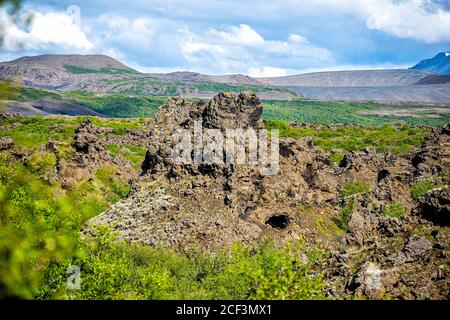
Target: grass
117,270
394,210
136,97
420,188
36,131
342,139
345,215
333,112
118,105
80,70
134,154
353,188
40,236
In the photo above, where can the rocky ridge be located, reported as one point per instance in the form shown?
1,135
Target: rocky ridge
211,206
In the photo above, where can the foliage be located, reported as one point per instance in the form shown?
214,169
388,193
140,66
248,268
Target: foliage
40,236
345,215
137,96
80,70
419,188
118,105
39,222
341,139
8,90
112,269
394,210
133,154
352,188
334,112
31,94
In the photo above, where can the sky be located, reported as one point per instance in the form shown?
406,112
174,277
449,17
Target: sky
258,38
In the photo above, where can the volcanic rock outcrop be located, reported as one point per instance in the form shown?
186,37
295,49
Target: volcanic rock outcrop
372,252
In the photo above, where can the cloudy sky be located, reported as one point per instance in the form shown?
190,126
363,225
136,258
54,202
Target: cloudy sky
259,38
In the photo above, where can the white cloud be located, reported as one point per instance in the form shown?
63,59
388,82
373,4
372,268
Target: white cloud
416,19
45,29
297,38
260,72
413,19
241,35
222,51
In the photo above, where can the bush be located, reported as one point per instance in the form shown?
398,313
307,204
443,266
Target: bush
112,269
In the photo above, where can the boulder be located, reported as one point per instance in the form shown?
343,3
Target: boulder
6,143
228,111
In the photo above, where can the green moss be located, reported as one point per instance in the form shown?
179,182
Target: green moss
419,188
394,210
345,215
336,157
41,162
352,188
133,154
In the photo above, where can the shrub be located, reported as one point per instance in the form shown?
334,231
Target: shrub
112,269
41,162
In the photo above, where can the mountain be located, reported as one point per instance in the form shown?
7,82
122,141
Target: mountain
391,85
103,74
48,107
351,78
439,64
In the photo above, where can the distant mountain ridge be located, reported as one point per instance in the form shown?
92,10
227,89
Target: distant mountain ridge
350,78
439,64
103,74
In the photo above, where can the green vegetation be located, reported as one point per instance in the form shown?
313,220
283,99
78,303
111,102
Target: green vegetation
138,97
345,215
394,210
134,154
352,188
419,188
333,112
342,139
79,70
31,94
116,270
8,90
40,224
31,132
118,105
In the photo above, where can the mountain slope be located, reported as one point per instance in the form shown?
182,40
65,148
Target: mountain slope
439,64
103,74
351,78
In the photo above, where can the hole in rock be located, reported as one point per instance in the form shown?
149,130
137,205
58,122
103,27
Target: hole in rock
280,221
382,175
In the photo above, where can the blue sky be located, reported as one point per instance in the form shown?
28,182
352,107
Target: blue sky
260,38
